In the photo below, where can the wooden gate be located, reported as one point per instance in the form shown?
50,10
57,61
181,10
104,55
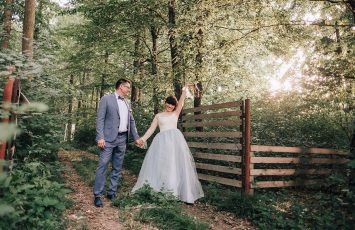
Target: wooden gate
214,135
219,138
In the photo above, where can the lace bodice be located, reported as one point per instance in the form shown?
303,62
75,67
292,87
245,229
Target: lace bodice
165,121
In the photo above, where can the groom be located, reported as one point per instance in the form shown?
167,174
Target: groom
113,125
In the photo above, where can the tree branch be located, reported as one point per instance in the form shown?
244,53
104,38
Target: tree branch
331,1
294,23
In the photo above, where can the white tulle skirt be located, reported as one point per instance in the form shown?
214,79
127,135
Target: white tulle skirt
169,167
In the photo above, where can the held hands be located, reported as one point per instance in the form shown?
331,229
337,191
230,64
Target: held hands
139,142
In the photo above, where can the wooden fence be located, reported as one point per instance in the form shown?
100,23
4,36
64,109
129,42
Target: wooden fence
214,134
219,138
11,95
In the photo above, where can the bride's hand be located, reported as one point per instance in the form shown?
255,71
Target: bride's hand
139,142
187,90
186,87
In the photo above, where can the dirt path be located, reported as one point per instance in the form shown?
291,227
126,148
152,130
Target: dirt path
84,215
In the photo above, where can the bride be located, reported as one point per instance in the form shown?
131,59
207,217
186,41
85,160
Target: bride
168,165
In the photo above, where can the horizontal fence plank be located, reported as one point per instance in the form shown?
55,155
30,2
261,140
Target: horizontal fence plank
211,115
219,168
212,123
283,172
220,157
209,145
271,184
221,180
213,134
215,106
296,160
283,149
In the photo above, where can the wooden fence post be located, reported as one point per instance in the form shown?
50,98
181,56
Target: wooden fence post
246,158
15,99
6,99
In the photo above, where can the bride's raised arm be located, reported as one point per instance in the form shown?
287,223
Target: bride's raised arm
181,101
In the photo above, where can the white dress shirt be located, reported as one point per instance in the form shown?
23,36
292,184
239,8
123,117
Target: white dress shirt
123,111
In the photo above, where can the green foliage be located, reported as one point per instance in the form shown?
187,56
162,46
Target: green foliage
173,219
133,159
94,150
84,135
146,195
283,209
40,138
31,198
164,209
294,121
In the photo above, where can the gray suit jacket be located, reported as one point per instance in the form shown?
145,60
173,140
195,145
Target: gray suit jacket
108,119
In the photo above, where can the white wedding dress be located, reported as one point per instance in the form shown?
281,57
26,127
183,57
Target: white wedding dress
168,165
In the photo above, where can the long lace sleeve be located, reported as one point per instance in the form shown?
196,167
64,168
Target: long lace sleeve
151,129
181,101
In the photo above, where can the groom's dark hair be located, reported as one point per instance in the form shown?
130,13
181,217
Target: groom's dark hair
122,81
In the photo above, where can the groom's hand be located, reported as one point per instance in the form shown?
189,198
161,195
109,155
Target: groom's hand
101,143
139,142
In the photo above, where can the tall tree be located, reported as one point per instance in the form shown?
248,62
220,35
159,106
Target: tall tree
28,28
70,109
154,64
137,65
7,24
175,62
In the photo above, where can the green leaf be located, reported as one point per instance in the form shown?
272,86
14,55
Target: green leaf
5,209
34,107
25,187
351,164
8,132
48,201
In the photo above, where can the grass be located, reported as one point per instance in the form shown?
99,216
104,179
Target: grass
86,168
161,210
169,218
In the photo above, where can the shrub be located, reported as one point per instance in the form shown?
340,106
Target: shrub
32,198
84,136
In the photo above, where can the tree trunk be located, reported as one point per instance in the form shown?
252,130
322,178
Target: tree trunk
352,6
28,28
103,78
7,24
39,20
70,110
97,99
337,36
198,70
136,91
174,50
92,97
352,157
154,34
